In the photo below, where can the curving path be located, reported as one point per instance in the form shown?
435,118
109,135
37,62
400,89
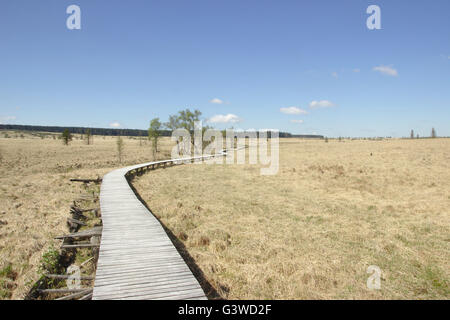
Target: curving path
137,260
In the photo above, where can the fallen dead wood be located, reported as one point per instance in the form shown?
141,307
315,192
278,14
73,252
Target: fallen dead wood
86,262
81,245
76,295
98,180
74,209
97,231
86,198
66,276
75,239
86,297
86,210
71,220
78,216
63,290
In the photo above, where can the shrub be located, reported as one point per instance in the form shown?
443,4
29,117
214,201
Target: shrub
50,262
66,136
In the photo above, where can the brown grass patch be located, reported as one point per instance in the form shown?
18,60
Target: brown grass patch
36,193
311,231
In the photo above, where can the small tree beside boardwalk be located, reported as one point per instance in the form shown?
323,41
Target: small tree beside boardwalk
66,137
119,144
153,134
88,137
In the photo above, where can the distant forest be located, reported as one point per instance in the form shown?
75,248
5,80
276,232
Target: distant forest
119,132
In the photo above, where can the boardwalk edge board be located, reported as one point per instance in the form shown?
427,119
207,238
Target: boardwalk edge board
130,230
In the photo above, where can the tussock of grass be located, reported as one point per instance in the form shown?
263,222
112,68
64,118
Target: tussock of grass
7,278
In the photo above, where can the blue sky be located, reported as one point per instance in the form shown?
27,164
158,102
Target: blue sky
136,60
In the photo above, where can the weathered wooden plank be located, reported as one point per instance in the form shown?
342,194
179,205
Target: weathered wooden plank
97,231
130,280
142,274
153,287
137,260
98,180
81,245
76,295
156,292
86,297
62,290
66,276
81,223
166,295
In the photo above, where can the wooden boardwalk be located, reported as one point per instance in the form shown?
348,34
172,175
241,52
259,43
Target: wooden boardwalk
137,260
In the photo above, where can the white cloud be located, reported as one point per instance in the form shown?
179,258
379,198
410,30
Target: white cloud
216,101
115,124
321,104
387,70
7,119
356,70
297,121
222,118
335,74
293,110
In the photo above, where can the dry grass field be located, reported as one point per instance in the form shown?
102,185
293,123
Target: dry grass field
36,194
312,230
308,232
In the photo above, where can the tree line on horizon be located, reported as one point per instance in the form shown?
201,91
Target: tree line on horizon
110,131
184,119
